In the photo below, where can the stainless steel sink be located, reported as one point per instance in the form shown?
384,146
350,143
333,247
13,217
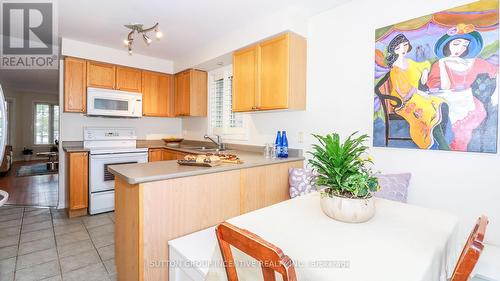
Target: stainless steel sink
204,149
193,147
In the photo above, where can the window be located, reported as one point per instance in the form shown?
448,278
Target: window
222,120
46,123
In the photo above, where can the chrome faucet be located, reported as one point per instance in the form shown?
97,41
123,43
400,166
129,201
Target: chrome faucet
220,146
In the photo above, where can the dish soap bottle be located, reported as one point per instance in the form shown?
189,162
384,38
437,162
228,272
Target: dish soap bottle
277,144
284,145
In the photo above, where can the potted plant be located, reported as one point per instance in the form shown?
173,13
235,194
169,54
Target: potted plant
28,153
344,177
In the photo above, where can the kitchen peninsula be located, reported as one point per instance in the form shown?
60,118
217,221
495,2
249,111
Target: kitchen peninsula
159,201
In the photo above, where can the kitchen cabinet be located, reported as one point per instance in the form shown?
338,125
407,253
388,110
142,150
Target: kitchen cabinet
157,88
172,155
155,154
245,68
169,155
101,75
75,89
78,168
128,79
158,91
191,93
270,75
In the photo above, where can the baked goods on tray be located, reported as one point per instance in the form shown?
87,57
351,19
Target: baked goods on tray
209,160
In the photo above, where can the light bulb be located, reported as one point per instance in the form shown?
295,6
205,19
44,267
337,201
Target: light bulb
126,42
146,39
159,34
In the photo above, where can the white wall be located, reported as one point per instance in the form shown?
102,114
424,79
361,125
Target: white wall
23,119
340,99
290,18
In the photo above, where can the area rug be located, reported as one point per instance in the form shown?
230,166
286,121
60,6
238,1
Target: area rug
34,170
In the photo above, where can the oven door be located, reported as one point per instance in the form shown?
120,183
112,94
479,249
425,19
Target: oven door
100,178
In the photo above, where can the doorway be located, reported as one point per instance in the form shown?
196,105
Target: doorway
29,169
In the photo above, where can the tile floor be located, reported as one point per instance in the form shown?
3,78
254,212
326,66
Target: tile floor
43,244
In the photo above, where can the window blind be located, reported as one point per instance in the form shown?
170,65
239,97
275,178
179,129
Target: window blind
221,115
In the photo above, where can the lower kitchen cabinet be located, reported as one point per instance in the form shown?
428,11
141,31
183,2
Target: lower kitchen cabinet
173,155
169,155
165,154
78,175
155,154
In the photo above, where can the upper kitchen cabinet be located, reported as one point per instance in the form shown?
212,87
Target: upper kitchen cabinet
128,79
75,73
157,90
191,93
101,75
245,63
277,77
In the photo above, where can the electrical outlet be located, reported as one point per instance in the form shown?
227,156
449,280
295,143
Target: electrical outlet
301,137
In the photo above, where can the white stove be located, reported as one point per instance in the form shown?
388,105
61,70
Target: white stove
108,146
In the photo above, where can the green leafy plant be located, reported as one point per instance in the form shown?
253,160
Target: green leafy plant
343,168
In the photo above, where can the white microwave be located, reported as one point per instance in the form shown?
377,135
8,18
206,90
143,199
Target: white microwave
105,102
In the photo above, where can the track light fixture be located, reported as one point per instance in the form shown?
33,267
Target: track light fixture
139,29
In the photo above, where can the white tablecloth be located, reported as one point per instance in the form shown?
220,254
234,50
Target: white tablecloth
401,243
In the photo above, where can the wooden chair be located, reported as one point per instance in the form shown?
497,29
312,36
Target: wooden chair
270,257
471,252
389,103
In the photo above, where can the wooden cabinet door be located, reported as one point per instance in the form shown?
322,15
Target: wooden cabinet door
155,154
128,79
75,88
274,73
245,77
180,155
182,94
78,180
198,93
101,75
157,89
169,155
166,95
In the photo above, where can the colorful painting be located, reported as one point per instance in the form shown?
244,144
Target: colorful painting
435,81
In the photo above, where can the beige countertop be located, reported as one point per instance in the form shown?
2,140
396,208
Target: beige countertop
164,170
252,156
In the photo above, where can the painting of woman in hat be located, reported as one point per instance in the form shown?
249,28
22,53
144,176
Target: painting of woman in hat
456,69
424,113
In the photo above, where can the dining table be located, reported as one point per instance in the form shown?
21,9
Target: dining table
401,242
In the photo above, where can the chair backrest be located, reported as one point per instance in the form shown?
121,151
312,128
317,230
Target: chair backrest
270,257
383,90
471,252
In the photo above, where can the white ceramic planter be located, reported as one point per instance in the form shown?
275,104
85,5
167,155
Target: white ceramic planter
348,210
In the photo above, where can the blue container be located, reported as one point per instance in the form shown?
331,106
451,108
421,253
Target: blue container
284,145
277,143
